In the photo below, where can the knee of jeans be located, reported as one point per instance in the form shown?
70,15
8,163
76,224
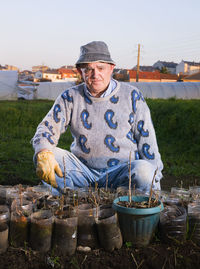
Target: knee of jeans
143,173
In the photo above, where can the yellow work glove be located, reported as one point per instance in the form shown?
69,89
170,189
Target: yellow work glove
47,166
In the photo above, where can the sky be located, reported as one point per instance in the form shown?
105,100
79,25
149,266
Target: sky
50,32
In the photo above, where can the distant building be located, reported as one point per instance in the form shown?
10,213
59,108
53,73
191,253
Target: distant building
68,74
155,76
26,75
2,67
144,76
48,75
187,68
9,67
192,78
69,67
170,66
39,68
121,74
147,68
168,77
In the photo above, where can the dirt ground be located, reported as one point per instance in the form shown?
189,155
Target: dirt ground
157,254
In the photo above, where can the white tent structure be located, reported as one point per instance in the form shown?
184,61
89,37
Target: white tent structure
165,90
50,90
154,90
8,85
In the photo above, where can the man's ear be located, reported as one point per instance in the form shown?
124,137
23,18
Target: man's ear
79,70
112,67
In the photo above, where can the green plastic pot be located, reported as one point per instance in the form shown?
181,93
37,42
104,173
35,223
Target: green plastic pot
137,224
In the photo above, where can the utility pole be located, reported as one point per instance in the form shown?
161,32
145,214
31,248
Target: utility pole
138,64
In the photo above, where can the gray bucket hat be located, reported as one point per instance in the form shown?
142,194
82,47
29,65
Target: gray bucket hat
95,51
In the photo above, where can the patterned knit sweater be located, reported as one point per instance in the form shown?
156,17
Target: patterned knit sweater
105,130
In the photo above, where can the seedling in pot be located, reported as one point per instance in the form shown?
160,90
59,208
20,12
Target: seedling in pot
142,204
151,189
19,225
129,185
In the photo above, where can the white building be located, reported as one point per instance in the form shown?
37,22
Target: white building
187,68
52,75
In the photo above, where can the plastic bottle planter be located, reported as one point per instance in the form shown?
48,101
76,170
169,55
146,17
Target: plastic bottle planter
18,229
182,194
106,196
11,195
121,191
65,232
87,232
24,206
168,198
2,195
137,224
4,214
52,203
3,237
194,193
173,224
4,228
41,230
109,233
194,222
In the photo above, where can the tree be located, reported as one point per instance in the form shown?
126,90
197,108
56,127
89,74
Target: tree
164,70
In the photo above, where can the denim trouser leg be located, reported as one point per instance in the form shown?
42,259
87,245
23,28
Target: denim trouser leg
142,173
78,175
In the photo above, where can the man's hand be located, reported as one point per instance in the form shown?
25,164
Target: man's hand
47,166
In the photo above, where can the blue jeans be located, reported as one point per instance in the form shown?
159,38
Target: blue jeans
78,175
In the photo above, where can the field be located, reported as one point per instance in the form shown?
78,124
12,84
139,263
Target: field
177,127
176,123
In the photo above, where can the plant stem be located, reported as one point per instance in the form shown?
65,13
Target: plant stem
64,172
106,182
151,190
129,188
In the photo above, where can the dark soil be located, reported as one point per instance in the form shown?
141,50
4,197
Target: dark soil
156,255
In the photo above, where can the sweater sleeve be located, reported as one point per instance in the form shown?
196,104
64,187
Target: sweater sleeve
52,126
145,135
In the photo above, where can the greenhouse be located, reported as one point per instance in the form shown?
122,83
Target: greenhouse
165,90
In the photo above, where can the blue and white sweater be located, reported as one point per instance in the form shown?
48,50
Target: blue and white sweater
105,129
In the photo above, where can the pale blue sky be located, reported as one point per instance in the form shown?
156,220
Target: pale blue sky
50,32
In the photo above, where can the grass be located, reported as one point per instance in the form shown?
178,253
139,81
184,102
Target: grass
176,123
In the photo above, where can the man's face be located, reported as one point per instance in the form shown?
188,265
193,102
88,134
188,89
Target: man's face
96,76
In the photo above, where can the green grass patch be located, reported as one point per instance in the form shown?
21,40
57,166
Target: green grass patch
176,123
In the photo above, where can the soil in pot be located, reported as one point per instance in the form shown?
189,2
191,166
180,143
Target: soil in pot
87,232
65,232
109,233
173,224
3,237
41,230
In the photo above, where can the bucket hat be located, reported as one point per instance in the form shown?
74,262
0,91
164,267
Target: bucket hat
95,51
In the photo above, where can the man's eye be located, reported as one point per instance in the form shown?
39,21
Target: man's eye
87,70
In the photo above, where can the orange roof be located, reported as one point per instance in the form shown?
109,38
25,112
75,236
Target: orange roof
67,71
144,74
168,76
156,75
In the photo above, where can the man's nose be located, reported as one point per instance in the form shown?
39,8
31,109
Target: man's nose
95,72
